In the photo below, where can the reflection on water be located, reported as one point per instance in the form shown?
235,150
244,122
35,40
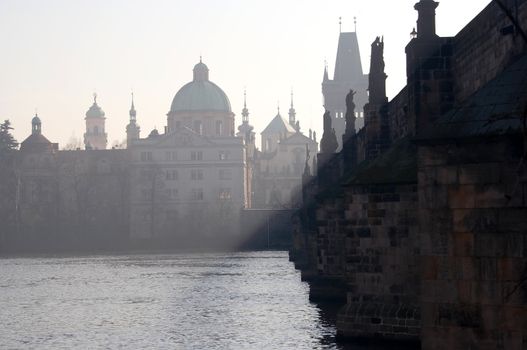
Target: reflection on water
215,301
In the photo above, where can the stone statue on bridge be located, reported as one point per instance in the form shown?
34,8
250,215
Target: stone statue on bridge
350,115
329,143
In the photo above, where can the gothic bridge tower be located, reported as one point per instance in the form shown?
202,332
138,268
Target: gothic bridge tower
348,76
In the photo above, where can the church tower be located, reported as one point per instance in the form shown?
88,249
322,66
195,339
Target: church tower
132,129
245,131
348,76
95,136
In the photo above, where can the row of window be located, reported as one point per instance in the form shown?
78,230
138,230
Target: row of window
173,156
195,174
197,126
196,194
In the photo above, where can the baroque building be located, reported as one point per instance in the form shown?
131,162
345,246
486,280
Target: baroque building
160,188
196,169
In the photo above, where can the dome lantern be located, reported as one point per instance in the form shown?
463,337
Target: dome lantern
36,125
201,71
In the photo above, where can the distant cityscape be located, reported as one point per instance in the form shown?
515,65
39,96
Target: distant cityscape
159,184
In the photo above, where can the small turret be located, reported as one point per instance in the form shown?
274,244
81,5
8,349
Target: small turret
36,125
95,136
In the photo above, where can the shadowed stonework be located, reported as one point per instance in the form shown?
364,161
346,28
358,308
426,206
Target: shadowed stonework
420,223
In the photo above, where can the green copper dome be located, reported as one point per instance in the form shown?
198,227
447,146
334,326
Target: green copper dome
200,94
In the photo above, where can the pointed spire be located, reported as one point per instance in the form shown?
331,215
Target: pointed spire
326,77
94,98
278,107
292,112
245,111
133,112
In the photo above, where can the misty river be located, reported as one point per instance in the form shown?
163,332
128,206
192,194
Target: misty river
209,301
252,300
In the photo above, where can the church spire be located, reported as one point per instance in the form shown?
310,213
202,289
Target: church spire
245,130
133,130
245,111
133,112
292,112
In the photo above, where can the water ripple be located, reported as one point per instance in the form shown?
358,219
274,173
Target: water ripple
212,301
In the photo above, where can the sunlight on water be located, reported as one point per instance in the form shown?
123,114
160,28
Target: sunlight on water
216,301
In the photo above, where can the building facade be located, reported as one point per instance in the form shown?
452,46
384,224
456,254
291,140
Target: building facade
286,156
196,169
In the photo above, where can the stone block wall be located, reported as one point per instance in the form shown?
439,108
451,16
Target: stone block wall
482,51
473,229
398,109
381,250
430,81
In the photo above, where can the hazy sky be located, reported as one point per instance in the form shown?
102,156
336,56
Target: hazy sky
56,53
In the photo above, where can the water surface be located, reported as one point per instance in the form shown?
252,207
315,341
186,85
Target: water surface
213,301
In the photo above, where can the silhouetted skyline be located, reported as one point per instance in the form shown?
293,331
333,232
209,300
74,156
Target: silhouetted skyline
57,53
